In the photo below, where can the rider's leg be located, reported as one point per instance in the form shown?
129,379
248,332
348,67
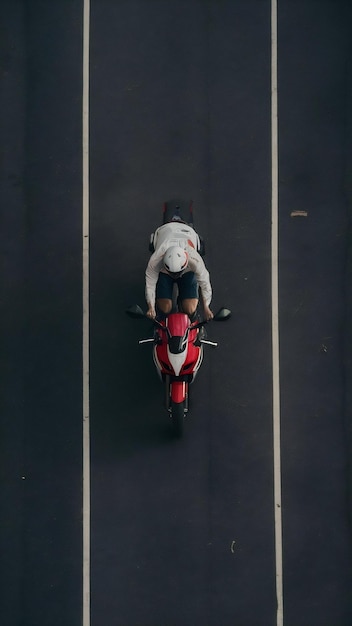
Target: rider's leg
164,289
189,306
188,290
163,305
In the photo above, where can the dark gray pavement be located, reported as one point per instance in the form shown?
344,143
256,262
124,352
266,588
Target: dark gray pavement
179,116
41,477
314,80
180,107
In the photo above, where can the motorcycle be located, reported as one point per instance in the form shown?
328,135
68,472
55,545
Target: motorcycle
178,353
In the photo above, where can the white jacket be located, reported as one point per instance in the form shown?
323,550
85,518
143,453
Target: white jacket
182,235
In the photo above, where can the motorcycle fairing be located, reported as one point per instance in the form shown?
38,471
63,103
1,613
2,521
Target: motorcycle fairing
176,360
168,362
176,354
197,365
177,324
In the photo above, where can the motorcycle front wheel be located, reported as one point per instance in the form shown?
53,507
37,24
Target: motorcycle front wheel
178,417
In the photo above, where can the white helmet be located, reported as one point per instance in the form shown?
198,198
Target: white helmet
175,259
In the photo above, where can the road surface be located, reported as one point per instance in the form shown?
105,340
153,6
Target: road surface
180,107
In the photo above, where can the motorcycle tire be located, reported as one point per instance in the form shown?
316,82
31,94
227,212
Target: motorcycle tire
178,417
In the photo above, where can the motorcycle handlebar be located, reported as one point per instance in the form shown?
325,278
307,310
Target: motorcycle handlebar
222,315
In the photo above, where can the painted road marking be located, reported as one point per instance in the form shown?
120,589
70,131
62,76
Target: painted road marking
85,312
275,315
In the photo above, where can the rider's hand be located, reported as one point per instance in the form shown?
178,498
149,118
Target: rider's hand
208,313
151,313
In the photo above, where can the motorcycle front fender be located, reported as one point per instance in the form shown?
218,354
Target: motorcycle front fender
178,391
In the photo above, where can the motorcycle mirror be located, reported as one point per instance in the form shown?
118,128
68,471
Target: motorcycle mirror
135,311
222,315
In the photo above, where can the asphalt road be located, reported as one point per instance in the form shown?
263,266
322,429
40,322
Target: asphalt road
182,532
41,461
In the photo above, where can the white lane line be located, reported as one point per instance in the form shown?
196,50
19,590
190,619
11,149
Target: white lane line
85,310
275,314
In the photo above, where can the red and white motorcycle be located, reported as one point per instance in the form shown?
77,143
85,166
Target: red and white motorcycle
178,354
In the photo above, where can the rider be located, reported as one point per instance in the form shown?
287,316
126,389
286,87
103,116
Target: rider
176,260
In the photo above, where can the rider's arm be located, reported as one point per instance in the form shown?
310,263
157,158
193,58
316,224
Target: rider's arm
196,264
151,278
